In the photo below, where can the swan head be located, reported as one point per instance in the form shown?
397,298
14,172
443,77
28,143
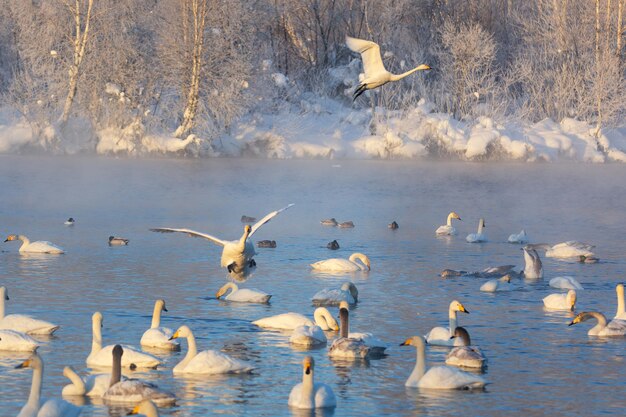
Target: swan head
307,365
34,361
453,214
457,306
96,318
571,299
586,315
423,67
414,341
161,302
183,331
118,351
10,238
462,334
247,229
5,294
343,304
146,407
481,223
619,288
349,286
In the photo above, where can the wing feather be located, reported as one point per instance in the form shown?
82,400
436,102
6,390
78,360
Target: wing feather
370,54
266,219
191,233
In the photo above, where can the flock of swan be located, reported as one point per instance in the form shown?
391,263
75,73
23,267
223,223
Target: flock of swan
16,330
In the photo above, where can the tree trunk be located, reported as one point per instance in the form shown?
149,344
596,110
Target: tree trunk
620,11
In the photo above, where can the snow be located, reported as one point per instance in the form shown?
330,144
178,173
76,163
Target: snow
319,127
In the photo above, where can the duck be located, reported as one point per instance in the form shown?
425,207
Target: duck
36,406
334,245
489,272
466,356
533,267
117,241
448,229
309,394
69,222
333,296
569,249
346,225
374,72
621,311
561,301
308,336
39,246
438,377
208,361
479,236
602,328
520,237
157,336
132,390
266,244
329,222
100,357
496,285
23,323
243,295
393,225
442,336
289,321
13,341
565,283
346,347
146,408
247,219
91,386
344,265
237,255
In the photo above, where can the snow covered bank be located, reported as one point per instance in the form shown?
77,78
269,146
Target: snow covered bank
319,127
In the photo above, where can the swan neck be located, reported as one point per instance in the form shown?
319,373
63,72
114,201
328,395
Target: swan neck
481,224
242,242
420,362
600,317
396,77
621,308
3,296
77,381
24,239
35,388
362,258
116,372
344,325
308,396
96,340
322,318
192,348
453,320
156,315
449,222
465,337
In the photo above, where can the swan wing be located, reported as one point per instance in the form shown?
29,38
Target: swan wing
17,341
191,233
27,324
439,336
336,265
267,218
370,54
42,246
56,407
324,396
287,321
215,362
249,295
159,338
444,377
308,336
136,390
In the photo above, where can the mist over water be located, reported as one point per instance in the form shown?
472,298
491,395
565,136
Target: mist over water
537,364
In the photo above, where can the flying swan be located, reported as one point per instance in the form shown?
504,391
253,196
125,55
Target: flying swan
375,73
237,255
23,323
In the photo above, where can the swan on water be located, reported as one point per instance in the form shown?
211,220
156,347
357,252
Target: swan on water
495,285
442,336
333,296
520,237
561,301
308,336
23,323
533,267
344,265
242,295
448,229
621,311
466,356
289,321
565,283
40,246
157,336
602,328
479,236
309,394
13,341
569,249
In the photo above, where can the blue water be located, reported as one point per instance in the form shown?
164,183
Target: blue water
537,364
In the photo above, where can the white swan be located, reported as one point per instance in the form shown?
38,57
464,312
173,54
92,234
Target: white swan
621,311
101,357
561,301
13,341
520,237
38,407
147,408
91,385
466,356
132,390
23,323
157,336
40,246
438,377
565,283
309,394
237,255
243,295
442,336
207,361
569,249
308,336
345,346
533,267
375,73
117,241
612,328
344,265
448,229
289,321
333,296
495,285
479,236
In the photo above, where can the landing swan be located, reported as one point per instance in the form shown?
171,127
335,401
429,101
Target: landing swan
467,356
374,70
479,236
157,336
243,295
23,323
237,255
565,283
38,407
344,265
207,361
147,408
289,321
621,311
520,237
92,385
561,301
448,229
494,285
132,390
13,341
309,394
333,296
442,336
308,336
438,377
613,328
40,246
101,357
